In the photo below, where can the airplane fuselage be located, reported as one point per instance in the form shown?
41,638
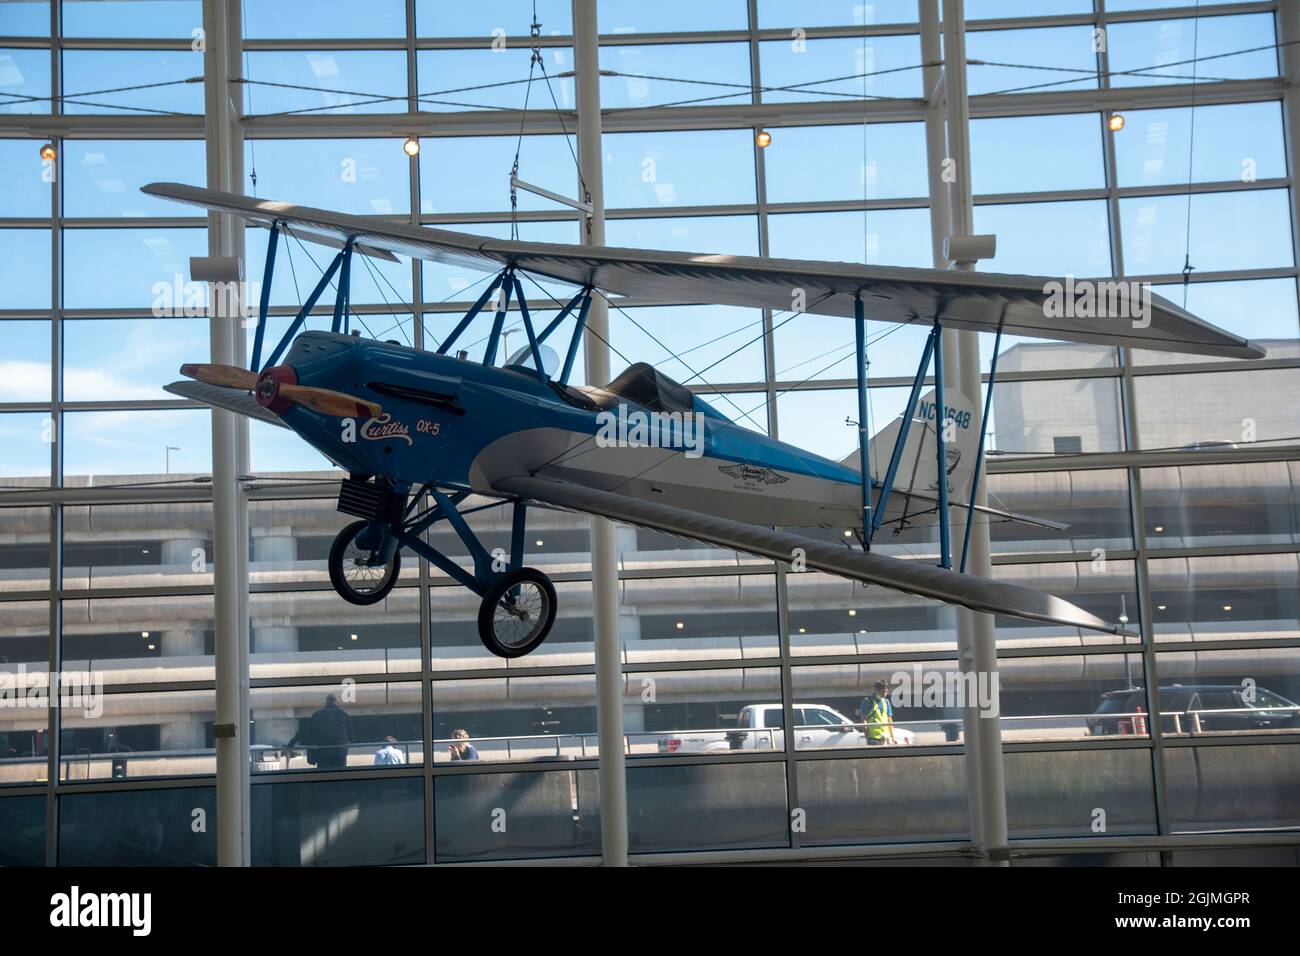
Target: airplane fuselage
467,425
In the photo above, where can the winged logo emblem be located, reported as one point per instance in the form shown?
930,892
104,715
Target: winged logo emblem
753,473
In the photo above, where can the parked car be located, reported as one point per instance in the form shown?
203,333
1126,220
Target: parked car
1193,708
760,727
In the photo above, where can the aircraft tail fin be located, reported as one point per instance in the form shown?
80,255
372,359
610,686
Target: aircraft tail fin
918,467
914,499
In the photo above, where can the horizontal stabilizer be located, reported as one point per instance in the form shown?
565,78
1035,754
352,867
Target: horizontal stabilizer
910,577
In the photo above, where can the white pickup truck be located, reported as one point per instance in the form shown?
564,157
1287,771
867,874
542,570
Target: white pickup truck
759,727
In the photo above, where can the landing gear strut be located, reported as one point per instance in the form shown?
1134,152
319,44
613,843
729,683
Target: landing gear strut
357,565
518,604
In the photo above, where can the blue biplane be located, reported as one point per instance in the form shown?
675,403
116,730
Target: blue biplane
419,431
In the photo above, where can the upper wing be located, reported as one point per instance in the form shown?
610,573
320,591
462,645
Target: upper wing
912,577
972,301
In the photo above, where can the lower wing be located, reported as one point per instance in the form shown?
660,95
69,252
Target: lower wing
911,577
231,399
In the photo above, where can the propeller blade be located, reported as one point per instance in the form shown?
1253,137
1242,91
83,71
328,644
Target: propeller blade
225,376
329,402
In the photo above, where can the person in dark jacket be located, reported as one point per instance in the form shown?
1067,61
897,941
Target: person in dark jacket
327,735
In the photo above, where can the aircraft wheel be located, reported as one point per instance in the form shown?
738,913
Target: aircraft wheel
517,612
354,578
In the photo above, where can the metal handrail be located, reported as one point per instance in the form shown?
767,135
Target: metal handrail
1192,716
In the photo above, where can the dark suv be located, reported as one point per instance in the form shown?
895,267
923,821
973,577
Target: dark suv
1182,705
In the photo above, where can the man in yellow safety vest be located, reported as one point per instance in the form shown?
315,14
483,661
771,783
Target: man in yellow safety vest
877,712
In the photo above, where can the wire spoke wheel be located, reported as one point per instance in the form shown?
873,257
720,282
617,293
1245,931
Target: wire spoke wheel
517,612
353,572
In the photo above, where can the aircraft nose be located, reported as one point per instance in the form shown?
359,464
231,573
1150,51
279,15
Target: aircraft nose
268,388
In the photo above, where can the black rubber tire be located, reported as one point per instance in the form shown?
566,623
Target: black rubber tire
495,595
338,552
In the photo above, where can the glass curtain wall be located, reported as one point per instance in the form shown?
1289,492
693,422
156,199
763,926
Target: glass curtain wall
106,528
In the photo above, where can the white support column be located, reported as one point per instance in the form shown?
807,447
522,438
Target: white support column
604,550
936,148
230,584
976,639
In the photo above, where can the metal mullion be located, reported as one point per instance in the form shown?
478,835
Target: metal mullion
303,586
947,850
140,404
1060,557
100,126
125,43
867,752
154,222
898,381
1216,186
108,785
288,44
513,767
325,680
425,630
7,315
507,122
1038,196
691,760
1074,746
1152,459
1224,275
1186,11
1206,368
848,205
1102,18
1132,442
105,594
14,597
1227,740
773,429
1188,839
54,648
286,777
684,212
950,653
27,222
524,215
518,41
26,43
701,664
1216,551
147,687
1257,644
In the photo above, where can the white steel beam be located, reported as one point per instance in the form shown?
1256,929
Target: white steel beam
604,548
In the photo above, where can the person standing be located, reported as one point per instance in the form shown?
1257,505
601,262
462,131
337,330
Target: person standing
461,748
327,736
877,712
388,755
